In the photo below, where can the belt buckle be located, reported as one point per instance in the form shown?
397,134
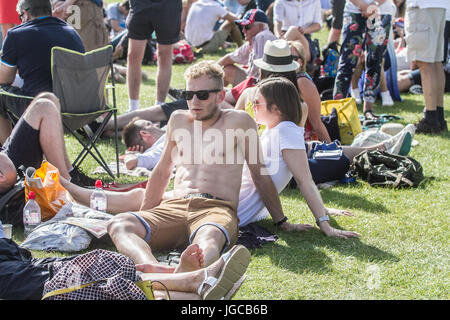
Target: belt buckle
199,195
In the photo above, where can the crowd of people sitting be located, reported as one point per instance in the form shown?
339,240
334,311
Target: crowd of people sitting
270,87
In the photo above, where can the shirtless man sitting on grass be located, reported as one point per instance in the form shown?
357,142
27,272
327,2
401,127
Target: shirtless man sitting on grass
208,145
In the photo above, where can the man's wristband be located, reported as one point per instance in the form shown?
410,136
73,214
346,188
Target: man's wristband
279,223
322,219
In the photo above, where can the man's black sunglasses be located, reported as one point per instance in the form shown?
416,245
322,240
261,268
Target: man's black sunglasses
201,94
248,26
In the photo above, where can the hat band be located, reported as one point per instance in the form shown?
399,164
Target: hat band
278,61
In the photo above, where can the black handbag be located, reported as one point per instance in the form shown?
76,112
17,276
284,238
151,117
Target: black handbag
331,123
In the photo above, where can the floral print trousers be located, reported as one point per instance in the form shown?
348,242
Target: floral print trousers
360,33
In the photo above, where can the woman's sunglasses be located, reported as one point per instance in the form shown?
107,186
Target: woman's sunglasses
201,94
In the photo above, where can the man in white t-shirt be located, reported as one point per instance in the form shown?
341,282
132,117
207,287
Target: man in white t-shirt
304,14
424,27
256,31
297,20
202,17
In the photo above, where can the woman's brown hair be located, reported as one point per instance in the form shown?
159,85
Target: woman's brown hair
282,92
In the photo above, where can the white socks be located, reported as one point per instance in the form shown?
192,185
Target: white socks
356,95
386,99
133,105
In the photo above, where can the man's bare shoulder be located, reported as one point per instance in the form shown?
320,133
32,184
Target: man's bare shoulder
178,117
238,118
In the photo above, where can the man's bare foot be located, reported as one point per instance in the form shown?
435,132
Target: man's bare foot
191,259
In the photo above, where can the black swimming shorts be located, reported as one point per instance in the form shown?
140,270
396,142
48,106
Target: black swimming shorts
163,17
23,146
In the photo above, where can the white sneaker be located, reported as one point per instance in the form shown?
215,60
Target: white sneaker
416,89
401,143
386,99
356,95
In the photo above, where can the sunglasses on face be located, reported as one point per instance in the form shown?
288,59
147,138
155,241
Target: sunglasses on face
21,16
248,27
201,94
295,57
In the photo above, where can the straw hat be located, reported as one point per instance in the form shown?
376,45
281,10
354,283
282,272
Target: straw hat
277,57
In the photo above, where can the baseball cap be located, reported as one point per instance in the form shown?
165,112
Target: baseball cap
253,15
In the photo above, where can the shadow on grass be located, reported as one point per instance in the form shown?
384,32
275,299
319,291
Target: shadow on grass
333,198
304,252
149,81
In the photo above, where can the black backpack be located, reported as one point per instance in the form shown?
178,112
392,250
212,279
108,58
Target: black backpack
13,201
386,169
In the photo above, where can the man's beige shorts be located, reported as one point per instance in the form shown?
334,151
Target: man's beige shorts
425,34
216,41
175,222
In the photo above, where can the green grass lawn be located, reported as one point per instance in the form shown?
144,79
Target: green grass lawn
403,252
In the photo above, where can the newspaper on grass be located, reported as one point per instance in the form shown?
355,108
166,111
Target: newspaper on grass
91,220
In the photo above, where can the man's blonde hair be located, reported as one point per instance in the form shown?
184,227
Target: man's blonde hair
207,68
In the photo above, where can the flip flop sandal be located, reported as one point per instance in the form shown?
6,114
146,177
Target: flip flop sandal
236,263
389,117
235,288
372,116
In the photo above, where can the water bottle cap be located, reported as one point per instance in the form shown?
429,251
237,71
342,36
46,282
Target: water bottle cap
31,195
99,184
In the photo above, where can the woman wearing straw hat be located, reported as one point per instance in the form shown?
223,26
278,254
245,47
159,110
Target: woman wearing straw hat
277,60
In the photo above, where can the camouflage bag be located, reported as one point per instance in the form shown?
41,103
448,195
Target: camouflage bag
385,169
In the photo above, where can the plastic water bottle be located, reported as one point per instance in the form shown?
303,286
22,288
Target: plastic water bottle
31,214
98,197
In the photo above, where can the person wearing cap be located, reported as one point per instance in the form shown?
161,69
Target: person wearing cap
255,26
27,51
202,17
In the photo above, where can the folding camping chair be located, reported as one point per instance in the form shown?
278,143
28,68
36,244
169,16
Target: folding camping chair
79,81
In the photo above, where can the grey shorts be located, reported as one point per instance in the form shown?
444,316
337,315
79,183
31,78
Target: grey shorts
425,34
216,41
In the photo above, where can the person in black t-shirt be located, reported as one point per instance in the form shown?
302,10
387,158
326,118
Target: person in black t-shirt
38,133
27,50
